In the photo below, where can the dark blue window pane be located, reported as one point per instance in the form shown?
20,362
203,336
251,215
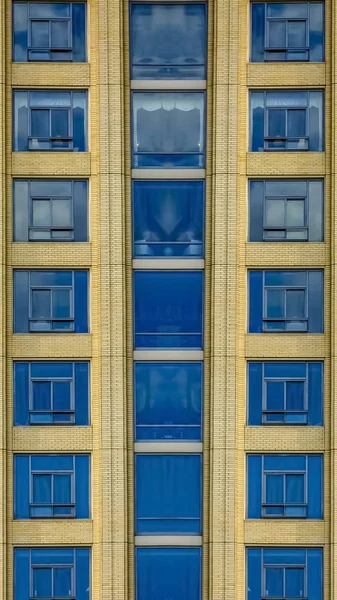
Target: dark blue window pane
168,129
274,583
254,579
52,556
168,309
21,487
21,393
316,32
21,301
78,32
168,42
315,393
316,301
168,401
254,486
256,198
42,583
315,581
63,582
255,291
168,494
20,32
315,486
258,31
168,218
51,278
257,121
173,573
80,208
254,393
82,486
81,300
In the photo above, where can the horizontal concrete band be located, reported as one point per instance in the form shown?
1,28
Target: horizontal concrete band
168,540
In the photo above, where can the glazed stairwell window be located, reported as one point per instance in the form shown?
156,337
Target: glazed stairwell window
290,120
49,31
50,121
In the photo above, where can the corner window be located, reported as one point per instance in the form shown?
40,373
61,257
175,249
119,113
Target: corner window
51,486
50,210
168,401
287,31
50,121
286,210
168,219
50,301
285,486
52,573
168,41
168,494
168,309
168,129
286,120
168,573
49,31
285,393
51,393
284,573
286,301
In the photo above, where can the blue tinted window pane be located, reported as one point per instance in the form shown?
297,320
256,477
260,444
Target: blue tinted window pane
286,278
168,129
168,218
168,42
39,123
274,582
63,582
257,121
254,579
275,395
275,304
316,302
168,494
80,121
294,583
52,462
50,370
285,370
168,309
61,308
50,278
168,400
284,462
173,573
42,583
295,395
295,493
82,393
315,574
81,301
258,32
21,393
78,32
80,209
316,32
61,395
255,394
20,133
254,486
21,303
20,32
59,123
42,489
274,489
54,556
286,556
255,291
21,487
315,393
62,489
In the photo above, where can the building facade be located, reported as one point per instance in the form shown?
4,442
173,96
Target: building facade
167,423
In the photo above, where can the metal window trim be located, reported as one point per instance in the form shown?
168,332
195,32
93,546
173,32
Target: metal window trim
49,20
51,200
51,568
286,20
284,568
285,380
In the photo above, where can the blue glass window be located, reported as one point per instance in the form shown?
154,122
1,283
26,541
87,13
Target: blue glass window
49,31
286,120
287,31
50,210
50,120
168,218
50,301
285,393
173,573
53,573
168,309
168,494
168,41
284,210
51,486
285,486
284,573
168,129
51,393
168,401
286,301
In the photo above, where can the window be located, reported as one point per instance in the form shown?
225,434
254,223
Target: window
168,309
288,31
50,120
53,573
285,486
168,401
286,120
168,41
168,218
50,301
49,31
51,486
286,301
284,573
168,573
50,210
285,393
51,393
286,210
168,129
168,494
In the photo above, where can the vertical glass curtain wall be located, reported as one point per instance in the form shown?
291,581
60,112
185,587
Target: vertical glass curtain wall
168,143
